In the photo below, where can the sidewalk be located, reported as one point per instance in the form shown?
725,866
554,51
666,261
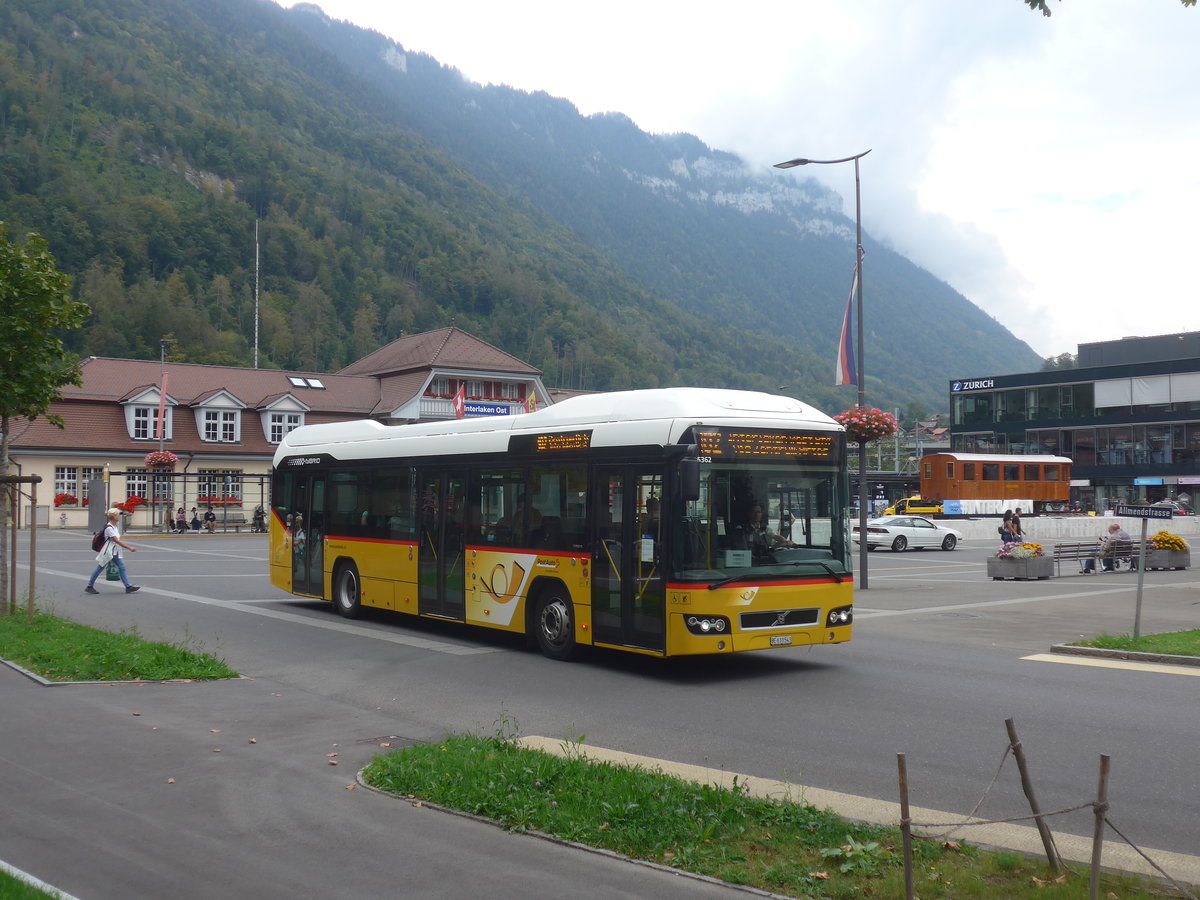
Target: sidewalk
247,789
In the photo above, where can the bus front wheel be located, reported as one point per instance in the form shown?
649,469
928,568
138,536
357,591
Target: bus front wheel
555,625
346,591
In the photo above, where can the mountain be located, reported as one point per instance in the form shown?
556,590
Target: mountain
147,139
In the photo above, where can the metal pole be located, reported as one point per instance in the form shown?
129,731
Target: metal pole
896,436
32,552
862,401
862,385
12,496
1137,615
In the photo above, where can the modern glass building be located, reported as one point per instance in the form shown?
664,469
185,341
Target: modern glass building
1128,416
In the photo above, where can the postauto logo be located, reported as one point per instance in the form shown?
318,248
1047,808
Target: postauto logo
957,387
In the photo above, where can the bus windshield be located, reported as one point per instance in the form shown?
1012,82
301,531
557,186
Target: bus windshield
754,519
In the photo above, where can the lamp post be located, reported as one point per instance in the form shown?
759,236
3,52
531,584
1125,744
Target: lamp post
858,256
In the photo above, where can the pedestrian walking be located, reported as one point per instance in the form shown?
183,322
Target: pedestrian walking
111,552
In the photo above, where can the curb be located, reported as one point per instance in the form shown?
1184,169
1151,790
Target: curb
1126,655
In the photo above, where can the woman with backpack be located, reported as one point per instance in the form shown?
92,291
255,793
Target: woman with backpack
1006,528
111,552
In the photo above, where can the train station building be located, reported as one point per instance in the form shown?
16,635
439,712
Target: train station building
223,423
1128,416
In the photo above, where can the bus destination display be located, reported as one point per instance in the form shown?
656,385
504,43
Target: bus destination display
730,443
558,442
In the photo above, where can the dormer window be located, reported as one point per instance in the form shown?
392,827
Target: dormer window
222,425
141,421
281,423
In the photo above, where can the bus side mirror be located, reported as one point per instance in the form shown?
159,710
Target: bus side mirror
689,479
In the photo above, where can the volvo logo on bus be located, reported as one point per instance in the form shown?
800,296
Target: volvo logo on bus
980,384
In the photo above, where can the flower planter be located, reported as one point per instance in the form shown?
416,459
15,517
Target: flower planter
1168,559
1034,568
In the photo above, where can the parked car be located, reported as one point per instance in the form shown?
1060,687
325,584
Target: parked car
902,532
1177,508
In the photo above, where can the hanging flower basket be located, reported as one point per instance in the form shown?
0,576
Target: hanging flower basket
864,424
161,459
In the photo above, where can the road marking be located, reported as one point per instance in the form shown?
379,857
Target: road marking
340,626
1010,601
1100,663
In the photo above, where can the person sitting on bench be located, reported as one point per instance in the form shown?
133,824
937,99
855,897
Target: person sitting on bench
1110,545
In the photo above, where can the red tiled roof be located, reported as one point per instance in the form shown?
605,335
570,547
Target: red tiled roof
111,380
397,390
447,348
376,385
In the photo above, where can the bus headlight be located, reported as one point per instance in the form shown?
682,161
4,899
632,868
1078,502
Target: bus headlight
707,624
843,615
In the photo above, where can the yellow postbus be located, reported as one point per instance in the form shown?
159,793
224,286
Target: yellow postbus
664,522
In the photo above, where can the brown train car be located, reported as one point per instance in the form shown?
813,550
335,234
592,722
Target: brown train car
1046,480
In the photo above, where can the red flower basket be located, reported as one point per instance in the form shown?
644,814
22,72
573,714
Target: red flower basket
864,425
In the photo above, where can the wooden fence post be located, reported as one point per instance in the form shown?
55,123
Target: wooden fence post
905,827
1027,786
1101,811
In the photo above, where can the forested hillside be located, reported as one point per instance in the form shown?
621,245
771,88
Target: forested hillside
146,138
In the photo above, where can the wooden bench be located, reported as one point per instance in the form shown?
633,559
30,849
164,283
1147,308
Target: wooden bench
1081,551
235,519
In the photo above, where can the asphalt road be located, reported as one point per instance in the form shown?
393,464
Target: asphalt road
940,659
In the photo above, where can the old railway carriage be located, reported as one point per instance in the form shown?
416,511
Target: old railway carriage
665,522
1006,479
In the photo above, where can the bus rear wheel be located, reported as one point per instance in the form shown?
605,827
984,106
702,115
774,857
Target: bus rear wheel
346,591
554,625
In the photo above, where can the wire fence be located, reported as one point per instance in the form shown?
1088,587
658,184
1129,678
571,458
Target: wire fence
1099,807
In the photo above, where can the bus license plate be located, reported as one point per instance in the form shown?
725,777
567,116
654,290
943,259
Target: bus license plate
781,640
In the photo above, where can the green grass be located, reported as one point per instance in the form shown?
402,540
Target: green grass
61,650
787,848
15,889
1173,643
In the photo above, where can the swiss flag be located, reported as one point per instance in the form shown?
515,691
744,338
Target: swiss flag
460,402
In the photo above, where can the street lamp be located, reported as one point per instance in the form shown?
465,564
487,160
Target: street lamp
858,256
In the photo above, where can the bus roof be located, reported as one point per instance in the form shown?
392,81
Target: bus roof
620,418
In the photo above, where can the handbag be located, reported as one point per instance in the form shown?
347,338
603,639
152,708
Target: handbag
112,573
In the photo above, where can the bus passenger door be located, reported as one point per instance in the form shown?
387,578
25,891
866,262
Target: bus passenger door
441,562
307,528
628,601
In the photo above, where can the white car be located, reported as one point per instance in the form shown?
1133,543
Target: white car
904,532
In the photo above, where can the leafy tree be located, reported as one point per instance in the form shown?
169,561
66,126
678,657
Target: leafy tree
915,413
1062,361
35,303
1040,5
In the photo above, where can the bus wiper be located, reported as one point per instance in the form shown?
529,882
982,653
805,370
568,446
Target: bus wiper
763,576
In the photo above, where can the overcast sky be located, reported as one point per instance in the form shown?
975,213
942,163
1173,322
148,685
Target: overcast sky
1047,168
